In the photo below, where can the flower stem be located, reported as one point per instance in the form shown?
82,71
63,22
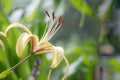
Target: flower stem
22,61
7,72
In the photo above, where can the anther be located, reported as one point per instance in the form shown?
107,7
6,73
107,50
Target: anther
62,21
59,21
53,15
47,14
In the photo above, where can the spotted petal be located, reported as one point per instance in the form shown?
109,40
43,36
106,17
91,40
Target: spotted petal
22,42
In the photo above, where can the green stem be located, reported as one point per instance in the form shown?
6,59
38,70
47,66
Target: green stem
22,61
6,72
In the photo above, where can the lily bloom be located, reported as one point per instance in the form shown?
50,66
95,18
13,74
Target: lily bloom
43,45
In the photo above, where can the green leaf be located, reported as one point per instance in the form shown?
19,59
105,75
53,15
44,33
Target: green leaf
82,20
105,10
3,18
33,14
115,63
82,6
7,5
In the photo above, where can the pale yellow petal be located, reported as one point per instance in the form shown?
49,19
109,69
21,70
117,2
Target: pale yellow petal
1,42
58,56
17,25
67,68
34,41
43,47
2,45
2,34
22,42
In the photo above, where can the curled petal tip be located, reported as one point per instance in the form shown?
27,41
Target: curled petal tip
17,25
2,34
22,42
58,56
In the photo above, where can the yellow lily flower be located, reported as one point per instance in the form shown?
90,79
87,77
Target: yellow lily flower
42,46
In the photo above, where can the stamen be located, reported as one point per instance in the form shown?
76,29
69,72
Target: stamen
53,16
62,21
54,27
54,30
49,29
47,14
59,21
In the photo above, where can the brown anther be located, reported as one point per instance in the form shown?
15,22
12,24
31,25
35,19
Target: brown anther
47,14
53,15
59,21
62,21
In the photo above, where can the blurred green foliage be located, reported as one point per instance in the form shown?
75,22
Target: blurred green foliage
83,7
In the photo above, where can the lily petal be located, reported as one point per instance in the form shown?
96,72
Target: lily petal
1,42
2,45
2,34
43,47
67,68
22,42
17,25
58,56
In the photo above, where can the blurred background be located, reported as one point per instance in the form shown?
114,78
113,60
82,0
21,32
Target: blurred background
90,38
